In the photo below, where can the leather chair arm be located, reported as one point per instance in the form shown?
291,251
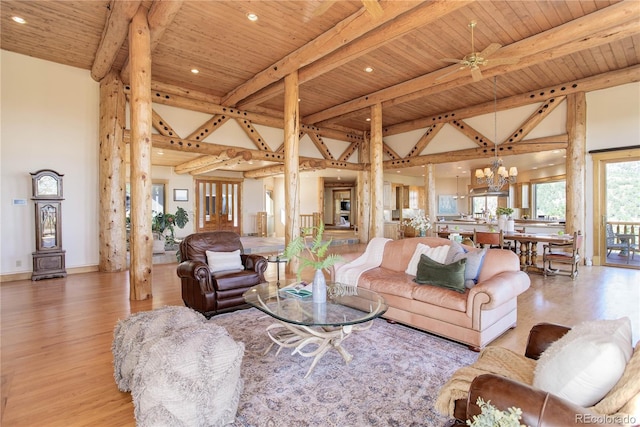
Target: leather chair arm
539,408
255,262
198,271
541,337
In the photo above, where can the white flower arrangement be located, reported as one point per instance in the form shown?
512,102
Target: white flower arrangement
420,222
493,417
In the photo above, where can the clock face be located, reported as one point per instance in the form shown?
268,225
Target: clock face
47,186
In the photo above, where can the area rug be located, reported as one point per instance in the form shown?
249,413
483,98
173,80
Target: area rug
393,379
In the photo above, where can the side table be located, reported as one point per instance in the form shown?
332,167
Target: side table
277,260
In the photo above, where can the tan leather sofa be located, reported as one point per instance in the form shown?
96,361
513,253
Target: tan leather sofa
475,317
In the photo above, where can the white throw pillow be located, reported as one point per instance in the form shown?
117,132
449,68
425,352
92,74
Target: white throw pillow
224,261
585,364
438,254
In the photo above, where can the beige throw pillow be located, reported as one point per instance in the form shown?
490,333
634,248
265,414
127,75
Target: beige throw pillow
438,254
224,261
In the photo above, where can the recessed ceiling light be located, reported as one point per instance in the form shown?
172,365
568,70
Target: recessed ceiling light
160,153
195,70
368,119
555,151
534,168
19,20
368,69
252,17
550,164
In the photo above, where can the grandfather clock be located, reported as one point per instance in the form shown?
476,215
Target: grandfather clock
48,259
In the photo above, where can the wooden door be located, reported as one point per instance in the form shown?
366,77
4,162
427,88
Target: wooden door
218,205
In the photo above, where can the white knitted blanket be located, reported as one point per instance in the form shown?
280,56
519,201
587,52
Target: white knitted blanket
371,258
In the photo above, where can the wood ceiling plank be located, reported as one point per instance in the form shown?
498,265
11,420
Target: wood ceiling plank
617,21
398,27
347,30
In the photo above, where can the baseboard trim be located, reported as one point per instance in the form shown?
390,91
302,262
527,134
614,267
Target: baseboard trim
14,277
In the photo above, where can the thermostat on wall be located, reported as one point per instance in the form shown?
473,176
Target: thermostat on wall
20,202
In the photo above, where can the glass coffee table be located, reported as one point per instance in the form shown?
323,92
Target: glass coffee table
300,322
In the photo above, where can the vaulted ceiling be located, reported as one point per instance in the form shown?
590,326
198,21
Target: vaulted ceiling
533,46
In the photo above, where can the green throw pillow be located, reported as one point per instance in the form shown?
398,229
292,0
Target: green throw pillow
450,276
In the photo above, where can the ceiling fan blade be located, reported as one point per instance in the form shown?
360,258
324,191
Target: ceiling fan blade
476,74
492,48
449,73
373,7
502,61
455,61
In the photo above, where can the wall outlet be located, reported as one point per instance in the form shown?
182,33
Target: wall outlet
18,263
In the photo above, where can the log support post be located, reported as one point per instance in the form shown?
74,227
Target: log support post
377,179
112,180
430,208
141,239
291,162
364,194
575,163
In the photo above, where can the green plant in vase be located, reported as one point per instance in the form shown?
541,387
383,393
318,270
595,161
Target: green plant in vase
501,210
312,254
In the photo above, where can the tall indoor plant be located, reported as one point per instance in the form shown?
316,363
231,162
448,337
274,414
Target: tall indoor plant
314,255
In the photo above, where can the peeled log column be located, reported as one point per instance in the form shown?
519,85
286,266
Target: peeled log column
377,180
112,230
575,164
291,162
141,246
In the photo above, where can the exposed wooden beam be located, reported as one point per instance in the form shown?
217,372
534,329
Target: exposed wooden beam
351,149
425,139
162,126
304,165
223,164
204,106
253,134
160,16
342,33
198,147
208,127
201,161
534,120
601,27
474,135
601,81
420,16
389,151
320,145
113,36
531,146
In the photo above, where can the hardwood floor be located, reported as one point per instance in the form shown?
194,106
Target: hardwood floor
56,335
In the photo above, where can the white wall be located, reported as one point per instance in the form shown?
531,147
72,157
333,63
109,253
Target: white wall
49,119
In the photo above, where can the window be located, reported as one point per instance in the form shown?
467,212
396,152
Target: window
550,198
483,204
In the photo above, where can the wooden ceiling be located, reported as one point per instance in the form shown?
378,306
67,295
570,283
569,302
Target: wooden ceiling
242,63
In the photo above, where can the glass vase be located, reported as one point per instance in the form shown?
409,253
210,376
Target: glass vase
319,288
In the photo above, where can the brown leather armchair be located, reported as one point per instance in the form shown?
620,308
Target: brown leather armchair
539,408
221,292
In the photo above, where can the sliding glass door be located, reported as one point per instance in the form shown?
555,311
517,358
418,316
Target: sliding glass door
616,207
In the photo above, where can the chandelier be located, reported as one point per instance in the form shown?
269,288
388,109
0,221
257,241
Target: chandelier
496,176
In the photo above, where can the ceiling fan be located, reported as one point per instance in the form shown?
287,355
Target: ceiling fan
475,60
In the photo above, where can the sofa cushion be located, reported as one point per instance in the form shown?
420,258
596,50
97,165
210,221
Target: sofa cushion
450,276
397,253
585,364
438,254
475,259
224,261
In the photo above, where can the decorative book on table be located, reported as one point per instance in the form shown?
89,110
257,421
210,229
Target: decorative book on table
297,290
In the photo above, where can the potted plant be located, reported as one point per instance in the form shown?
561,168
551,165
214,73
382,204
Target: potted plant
313,254
493,417
500,210
162,225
